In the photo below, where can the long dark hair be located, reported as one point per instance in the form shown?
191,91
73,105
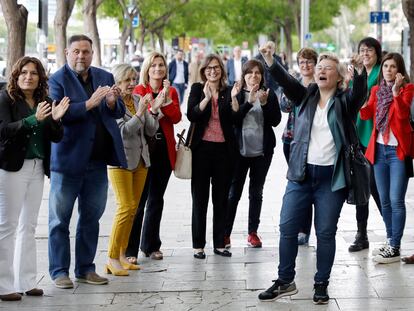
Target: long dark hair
13,88
248,68
399,61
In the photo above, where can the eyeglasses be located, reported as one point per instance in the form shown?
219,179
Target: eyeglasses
320,68
306,62
366,50
215,68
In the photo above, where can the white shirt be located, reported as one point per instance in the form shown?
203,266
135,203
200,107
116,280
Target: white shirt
321,146
392,141
179,75
237,69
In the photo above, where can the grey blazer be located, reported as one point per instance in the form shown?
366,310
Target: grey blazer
132,132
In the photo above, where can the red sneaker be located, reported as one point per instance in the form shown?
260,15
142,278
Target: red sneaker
227,243
253,240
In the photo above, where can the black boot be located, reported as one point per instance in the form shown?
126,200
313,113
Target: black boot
361,238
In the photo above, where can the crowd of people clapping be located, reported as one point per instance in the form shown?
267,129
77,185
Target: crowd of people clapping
84,126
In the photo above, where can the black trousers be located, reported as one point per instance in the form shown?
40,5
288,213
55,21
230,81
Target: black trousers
152,201
362,211
211,163
258,168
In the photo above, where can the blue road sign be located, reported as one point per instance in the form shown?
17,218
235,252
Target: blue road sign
135,22
379,17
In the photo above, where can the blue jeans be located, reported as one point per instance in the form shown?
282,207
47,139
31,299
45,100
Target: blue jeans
316,190
180,87
91,191
392,182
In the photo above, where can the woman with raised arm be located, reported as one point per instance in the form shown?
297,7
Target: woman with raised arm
29,122
316,172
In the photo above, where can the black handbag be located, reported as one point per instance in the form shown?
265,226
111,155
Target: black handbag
357,169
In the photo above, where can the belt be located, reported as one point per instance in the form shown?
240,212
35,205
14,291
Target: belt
159,136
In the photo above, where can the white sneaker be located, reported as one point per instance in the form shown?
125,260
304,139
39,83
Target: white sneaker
377,251
389,255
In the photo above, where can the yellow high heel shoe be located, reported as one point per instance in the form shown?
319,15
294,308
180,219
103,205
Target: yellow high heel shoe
130,266
109,269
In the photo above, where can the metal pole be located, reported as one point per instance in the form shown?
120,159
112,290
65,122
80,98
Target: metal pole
379,25
304,22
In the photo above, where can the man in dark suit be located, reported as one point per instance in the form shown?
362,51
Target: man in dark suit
178,74
91,141
235,65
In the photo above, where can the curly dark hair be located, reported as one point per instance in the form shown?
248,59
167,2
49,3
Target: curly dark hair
13,88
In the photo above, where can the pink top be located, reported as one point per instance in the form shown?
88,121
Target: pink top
213,131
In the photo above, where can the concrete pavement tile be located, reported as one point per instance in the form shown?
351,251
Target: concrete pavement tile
130,287
375,304
198,285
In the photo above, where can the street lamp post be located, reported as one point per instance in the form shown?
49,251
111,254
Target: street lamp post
379,25
304,22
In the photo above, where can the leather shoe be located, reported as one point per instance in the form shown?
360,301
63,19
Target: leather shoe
35,292
224,253
11,297
408,260
93,278
200,255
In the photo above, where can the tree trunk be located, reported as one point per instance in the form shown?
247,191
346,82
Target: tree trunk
64,10
123,39
287,28
143,33
15,16
91,28
408,8
160,36
295,7
152,40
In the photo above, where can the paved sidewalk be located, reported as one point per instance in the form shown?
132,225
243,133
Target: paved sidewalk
180,282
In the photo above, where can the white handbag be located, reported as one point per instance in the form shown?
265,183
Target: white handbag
183,160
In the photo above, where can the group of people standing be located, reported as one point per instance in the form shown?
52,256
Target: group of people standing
85,125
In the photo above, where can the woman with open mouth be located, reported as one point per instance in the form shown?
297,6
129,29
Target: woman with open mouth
316,173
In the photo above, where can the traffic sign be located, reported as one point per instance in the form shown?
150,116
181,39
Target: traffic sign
308,36
135,22
379,17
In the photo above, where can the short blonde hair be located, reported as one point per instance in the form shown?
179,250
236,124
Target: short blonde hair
340,68
144,77
122,71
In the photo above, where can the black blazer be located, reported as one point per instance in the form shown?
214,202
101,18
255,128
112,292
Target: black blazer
199,119
271,115
14,138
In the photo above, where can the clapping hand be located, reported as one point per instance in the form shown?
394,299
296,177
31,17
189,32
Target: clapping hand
236,89
112,96
97,97
207,91
263,95
143,104
58,111
253,94
43,110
